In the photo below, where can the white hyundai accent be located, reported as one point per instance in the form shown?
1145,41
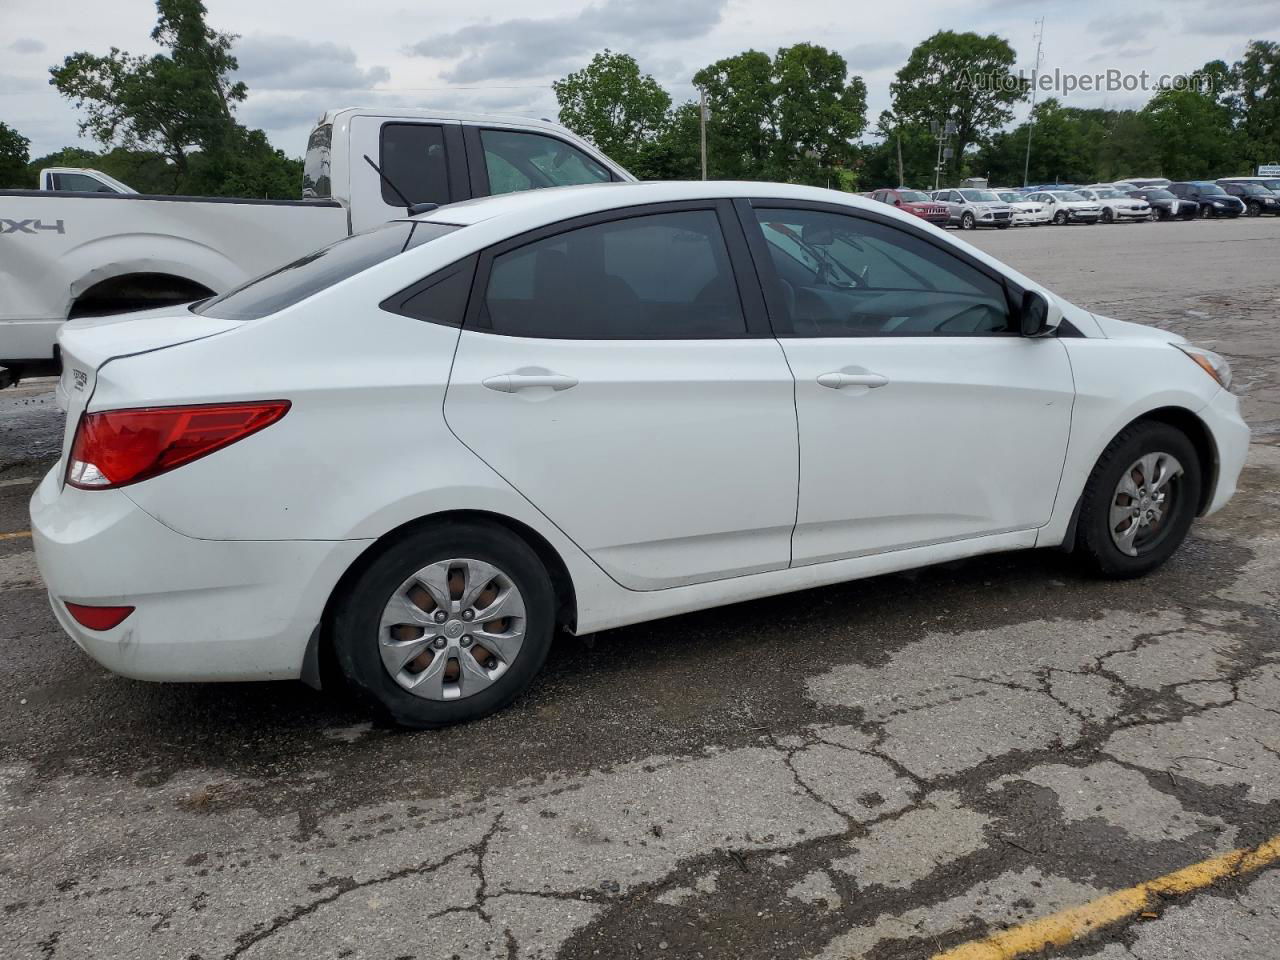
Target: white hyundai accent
413,455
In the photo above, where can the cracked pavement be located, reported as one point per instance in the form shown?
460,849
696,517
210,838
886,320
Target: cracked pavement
883,769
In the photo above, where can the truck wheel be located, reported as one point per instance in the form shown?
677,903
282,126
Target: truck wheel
1139,502
445,625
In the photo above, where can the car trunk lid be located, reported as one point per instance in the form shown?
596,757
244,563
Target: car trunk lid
88,344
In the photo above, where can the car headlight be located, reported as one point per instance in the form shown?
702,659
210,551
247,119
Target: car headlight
1211,363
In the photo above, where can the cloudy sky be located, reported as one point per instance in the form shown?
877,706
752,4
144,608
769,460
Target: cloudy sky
300,57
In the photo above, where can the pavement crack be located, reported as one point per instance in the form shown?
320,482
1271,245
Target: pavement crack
345,885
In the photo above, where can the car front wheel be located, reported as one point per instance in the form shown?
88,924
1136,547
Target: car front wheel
447,624
1139,501
967,222
1255,208
1107,215
1060,218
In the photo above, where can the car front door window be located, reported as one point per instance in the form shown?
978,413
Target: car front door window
842,276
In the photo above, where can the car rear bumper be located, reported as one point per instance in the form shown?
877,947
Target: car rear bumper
1231,438
204,609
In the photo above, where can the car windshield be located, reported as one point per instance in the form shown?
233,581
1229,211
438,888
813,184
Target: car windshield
1066,195
1253,189
1157,194
1211,190
294,282
913,196
979,196
1010,197
1109,193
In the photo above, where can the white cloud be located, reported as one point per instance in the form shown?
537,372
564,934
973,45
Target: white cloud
269,62
526,47
27,45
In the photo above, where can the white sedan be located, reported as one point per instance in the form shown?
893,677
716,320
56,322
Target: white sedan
417,453
1027,212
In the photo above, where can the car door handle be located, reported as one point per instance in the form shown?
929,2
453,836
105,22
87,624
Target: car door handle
511,382
838,380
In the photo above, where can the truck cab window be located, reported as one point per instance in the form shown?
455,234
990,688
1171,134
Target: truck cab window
412,155
526,161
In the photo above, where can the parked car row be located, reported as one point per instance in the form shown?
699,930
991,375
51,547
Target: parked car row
1138,199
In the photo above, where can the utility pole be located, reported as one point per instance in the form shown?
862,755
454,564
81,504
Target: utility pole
942,132
901,181
702,127
1031,118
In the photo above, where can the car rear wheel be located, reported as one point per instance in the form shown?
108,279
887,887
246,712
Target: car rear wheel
445,625
1139,501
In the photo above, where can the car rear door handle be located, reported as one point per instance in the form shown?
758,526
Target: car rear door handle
837,380
511,382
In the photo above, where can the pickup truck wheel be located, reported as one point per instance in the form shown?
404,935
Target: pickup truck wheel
1139,502
446,625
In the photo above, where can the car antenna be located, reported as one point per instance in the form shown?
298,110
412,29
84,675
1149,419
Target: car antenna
413,209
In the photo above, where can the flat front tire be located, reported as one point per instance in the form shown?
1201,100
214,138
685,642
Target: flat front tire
1139,501
445,625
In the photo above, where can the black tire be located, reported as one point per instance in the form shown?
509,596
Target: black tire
1255,209
967,221
358,615
1060,218
1206,212
1107,215
1095,549
1003,226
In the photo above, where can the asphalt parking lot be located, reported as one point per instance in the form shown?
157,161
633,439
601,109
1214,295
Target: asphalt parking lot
897,768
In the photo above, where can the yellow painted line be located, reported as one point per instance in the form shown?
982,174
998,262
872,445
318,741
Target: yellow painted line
1067,926
20,535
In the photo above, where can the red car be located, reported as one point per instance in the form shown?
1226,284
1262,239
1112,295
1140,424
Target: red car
914,201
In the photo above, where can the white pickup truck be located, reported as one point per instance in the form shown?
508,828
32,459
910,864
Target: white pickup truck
75,254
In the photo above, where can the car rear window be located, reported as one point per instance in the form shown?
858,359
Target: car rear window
305,277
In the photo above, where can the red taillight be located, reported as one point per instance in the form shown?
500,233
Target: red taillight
118,447
97,618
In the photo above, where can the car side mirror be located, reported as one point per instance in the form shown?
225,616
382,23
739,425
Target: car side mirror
1040,314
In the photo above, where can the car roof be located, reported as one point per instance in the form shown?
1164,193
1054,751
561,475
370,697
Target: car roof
559,203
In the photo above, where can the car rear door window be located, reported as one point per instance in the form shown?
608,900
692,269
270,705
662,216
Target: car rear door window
413,157
525,161
842,276
661,276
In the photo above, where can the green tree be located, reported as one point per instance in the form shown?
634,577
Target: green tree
616,107
173,102
13,159
1192,123
961,77
1256,77
879,162
793,117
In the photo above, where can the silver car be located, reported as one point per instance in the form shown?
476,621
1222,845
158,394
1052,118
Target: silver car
970,208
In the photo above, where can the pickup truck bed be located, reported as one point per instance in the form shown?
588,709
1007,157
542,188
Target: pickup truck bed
71,254
76,254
